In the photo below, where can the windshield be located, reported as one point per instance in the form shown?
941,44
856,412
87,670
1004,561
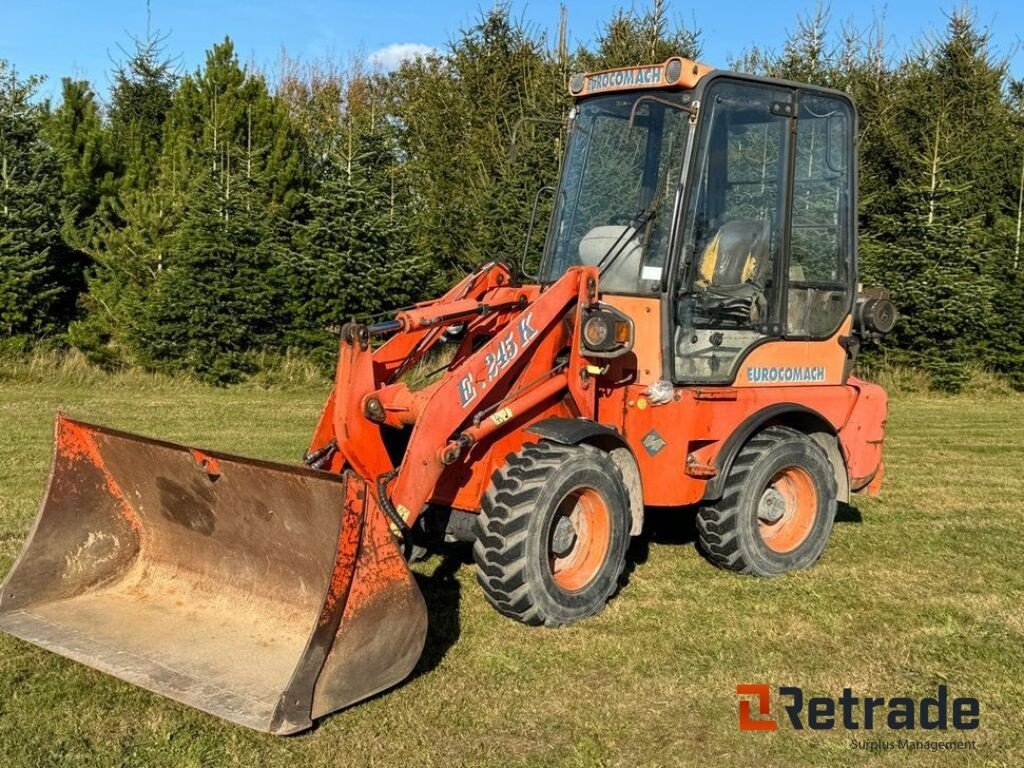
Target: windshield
618,190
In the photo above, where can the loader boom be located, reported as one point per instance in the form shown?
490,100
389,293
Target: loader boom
447,417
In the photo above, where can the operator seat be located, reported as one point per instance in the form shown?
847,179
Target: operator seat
733,269
737,254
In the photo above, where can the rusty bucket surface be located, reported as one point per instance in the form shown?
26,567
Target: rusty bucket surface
262,593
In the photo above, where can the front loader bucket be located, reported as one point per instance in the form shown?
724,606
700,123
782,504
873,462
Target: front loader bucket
265,594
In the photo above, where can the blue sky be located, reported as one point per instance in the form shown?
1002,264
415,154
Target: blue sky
76,37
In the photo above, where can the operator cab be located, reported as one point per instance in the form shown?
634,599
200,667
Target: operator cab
726,197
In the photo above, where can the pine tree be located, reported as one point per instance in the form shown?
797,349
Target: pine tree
125,235
349,256
932,237
1007,354
215,306
223,131
32,256
945,299
140,98
76,132
224,119
458,115
631,38
126,263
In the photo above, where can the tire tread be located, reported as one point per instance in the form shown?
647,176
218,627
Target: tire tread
506,507
717,523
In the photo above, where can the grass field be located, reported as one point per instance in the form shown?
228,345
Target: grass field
921,587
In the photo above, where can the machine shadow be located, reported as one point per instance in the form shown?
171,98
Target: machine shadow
678,525
662,525
442,592
848,514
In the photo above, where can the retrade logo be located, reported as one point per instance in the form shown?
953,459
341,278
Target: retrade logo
762,695
851,713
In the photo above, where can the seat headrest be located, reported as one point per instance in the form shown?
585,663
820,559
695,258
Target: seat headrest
595,244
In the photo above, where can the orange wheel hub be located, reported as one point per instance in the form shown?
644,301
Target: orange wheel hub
787,509
580,539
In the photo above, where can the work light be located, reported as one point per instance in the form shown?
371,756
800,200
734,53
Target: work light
606,332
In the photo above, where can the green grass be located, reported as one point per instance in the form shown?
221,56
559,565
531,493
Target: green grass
920,587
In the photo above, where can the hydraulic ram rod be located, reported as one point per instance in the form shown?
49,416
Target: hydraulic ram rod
415,319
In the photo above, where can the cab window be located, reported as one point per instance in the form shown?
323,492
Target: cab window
730,295
618,190
818,296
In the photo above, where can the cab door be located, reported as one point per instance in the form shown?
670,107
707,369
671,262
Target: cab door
767,246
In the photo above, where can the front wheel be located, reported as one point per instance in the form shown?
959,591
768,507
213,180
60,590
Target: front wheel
777,507
554,528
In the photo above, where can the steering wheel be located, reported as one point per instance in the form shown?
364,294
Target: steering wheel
749,309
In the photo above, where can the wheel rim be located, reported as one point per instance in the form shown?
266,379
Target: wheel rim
580,539
787,509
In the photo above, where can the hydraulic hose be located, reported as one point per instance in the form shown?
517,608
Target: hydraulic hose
385,502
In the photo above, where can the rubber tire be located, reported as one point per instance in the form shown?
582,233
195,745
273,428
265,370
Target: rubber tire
728,530
517,511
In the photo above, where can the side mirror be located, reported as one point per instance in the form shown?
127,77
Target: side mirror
529,233
529,119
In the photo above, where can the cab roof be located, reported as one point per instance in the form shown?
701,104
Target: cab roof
674,73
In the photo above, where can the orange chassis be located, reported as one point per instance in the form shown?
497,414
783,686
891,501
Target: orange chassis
519,363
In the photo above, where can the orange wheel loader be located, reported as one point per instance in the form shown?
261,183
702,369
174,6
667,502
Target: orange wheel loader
687,343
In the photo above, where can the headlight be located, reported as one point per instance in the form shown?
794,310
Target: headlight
597,330
606,332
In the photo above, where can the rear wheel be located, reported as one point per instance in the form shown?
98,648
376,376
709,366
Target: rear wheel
554,528
777,508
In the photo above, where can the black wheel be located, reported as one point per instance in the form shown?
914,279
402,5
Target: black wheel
554,527
777,507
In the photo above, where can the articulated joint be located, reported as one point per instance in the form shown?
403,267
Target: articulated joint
374,410
356,334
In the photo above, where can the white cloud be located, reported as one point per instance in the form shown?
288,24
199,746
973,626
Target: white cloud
391,56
